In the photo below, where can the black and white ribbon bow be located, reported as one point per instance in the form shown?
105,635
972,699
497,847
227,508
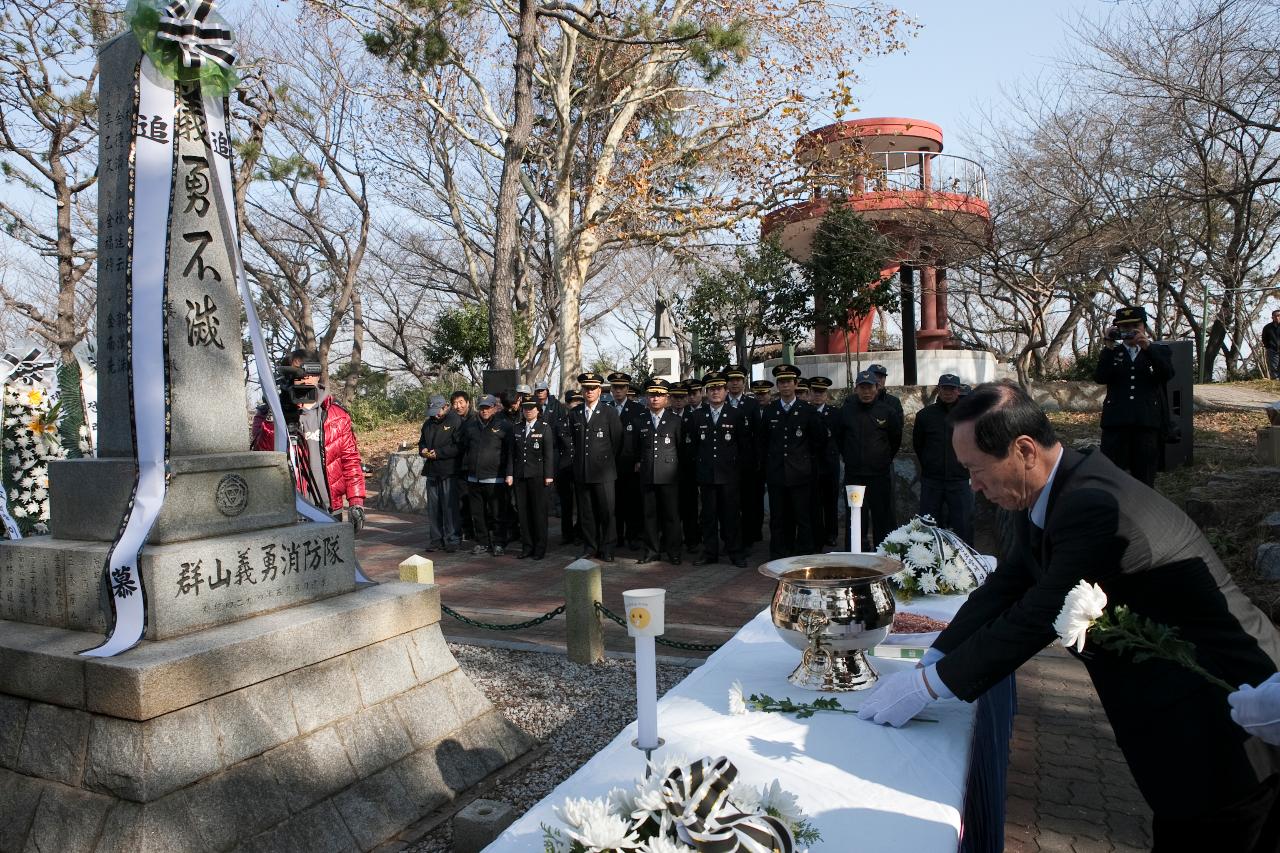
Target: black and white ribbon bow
185,23
697,798
29,368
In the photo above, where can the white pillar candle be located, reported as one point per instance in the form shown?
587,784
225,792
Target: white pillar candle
645,622
855,494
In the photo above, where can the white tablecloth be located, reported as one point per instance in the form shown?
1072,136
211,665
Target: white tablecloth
865,787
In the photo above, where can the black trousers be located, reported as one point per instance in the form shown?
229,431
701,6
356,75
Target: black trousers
510,521
950,502
564,491
531,505
1134,449
1251,824
595,508
791,526
721,520
752,510
630,518
690,523
826,498
485,500
660,503
877,509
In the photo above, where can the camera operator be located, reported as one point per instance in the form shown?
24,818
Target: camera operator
322,445
1133,415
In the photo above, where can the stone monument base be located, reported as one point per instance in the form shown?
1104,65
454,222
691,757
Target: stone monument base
328,726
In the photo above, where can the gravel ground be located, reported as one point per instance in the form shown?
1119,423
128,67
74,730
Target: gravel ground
572,708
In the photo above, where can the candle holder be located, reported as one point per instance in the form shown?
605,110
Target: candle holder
646,622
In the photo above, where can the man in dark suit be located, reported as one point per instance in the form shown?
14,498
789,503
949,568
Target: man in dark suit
630,520
722,452
439,447
1133,415
597,443
791,444
1075,517
827,493
944,482
533,471
657,440
690,524
752,498
870,434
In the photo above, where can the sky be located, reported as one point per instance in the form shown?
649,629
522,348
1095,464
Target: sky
967,53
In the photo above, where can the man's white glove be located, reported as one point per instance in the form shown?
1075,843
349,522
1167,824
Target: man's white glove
897,698
931,656
1257,709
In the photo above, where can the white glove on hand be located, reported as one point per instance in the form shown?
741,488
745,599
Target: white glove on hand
1257,709
896,699
931,656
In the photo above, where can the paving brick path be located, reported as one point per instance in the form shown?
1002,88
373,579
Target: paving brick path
1069,788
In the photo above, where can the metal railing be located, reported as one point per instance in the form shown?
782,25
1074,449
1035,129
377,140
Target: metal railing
912,171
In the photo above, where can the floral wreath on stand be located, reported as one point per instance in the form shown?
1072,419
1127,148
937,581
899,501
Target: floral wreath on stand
30,440
934,560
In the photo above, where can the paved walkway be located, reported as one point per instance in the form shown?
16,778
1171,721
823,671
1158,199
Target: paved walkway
1230,397
1069,789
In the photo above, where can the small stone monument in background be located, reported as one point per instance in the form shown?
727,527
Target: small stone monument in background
664,355
273,704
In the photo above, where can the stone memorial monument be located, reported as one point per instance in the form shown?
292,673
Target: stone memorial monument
664,355
274,704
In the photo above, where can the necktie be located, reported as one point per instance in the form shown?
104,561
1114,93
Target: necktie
715,416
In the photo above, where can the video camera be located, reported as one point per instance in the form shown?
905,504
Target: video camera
294,396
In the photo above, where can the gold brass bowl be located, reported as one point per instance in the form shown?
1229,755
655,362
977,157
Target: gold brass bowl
833,607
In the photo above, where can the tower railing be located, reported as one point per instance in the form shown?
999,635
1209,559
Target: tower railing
915,171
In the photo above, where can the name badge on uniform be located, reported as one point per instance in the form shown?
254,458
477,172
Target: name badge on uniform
666,439
536,445
600,434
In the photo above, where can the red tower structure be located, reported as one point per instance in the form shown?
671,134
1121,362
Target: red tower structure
932,206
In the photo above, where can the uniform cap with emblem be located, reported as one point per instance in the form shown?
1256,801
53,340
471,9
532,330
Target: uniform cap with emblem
694,384
866,377
528,404
633,389
877,369
437,403
802,383
735,371
713,380
658,386
679,389
786,371
590,379
761,385
487,401
573,397
1131,314
819,383
617,378
949,380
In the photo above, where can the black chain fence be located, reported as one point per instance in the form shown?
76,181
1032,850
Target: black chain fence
662,641
548,616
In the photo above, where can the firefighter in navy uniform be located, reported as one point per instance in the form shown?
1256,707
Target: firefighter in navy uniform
723,456
870,434
569,530
791,446
657,442
826,487
533,470
761,389
1133,415
630,521
486,445
690,526
752,499
597,434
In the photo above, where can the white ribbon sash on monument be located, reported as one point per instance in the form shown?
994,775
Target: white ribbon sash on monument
148,379
216,128
89,394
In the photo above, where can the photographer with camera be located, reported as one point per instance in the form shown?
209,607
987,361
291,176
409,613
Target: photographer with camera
322,444
1133,415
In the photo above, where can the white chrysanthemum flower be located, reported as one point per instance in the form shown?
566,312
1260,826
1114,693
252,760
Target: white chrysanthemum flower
921,536
745,797
737,705
899,537
920,556
623,800
955,575
903,578
18,511
662,844
576,811
1081,608
781,804
928,581
40,528
84,430
649,799
601,830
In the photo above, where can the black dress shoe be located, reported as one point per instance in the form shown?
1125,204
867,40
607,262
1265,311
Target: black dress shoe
646,557
524,555
607,556
539,556
740,562
673,559
706,560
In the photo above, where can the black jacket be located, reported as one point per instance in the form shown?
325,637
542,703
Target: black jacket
890,400
1134,386
791,445
721,451
1271,336
869,435
931,438
487,448
564,441
1104,527
657,452
597,444
534,456
443,435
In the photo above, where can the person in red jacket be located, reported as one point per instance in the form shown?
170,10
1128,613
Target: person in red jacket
322,444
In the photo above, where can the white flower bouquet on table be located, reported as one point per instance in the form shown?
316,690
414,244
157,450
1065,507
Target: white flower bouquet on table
934,560
683,807
29,439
